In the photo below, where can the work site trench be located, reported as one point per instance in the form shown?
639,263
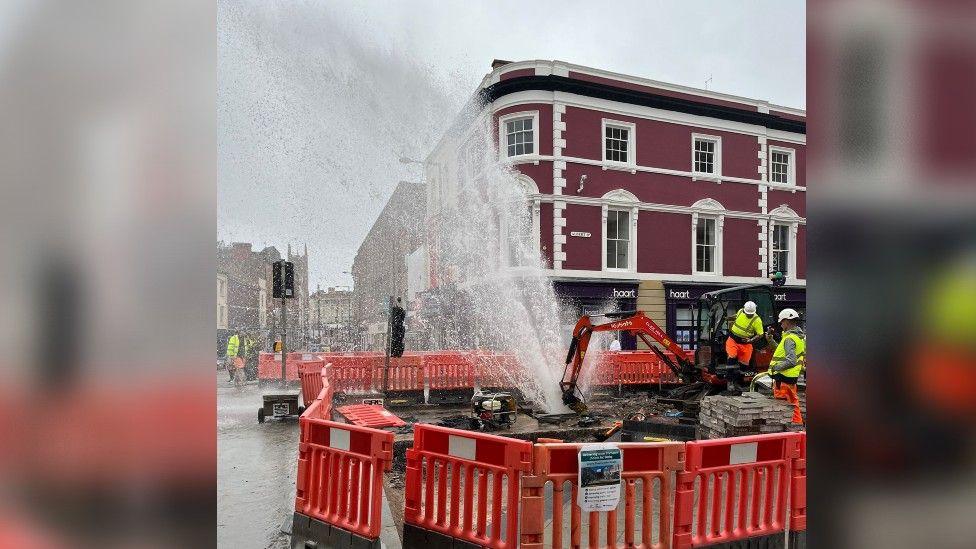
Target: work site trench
624,414
627,415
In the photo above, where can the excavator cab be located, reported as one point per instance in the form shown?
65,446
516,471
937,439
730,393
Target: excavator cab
715,312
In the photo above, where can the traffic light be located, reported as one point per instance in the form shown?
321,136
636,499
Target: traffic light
397,330
283,286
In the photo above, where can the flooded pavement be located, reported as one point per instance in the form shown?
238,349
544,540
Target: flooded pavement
256,467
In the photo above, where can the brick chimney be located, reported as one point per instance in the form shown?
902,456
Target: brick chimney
495,63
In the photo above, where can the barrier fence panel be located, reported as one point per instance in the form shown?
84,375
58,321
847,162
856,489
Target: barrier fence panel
601,369
798,497
450,377
643,517
733,489
339,486
405,380
310,375
269,367
352,374
463,485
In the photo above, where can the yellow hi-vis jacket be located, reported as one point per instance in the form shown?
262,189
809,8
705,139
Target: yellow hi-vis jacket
792,359
746,327
233,345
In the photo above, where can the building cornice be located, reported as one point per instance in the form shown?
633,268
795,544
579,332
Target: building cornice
556,83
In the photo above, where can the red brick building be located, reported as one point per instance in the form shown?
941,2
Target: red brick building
644,194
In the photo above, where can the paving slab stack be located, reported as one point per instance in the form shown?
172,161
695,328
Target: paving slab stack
748,414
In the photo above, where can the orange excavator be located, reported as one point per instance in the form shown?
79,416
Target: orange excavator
709,372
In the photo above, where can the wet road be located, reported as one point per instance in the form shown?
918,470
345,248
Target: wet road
256,466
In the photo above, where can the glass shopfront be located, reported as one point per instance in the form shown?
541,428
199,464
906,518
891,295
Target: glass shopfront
681,302
593,298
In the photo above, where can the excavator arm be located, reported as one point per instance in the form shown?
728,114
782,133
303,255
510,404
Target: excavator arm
636,323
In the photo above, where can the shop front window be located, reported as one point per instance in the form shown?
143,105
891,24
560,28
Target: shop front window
685,330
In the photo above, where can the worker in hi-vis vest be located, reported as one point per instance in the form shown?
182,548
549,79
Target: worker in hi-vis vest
789,360
746,328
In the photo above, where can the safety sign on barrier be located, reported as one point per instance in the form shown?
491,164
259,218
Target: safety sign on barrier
599,478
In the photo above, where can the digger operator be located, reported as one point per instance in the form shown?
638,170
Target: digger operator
788,361
746,328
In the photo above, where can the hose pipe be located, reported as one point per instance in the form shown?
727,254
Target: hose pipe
752,386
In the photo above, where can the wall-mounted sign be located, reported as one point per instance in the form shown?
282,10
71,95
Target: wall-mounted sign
580,234
624,293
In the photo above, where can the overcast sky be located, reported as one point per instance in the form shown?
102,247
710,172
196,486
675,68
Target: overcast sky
316,100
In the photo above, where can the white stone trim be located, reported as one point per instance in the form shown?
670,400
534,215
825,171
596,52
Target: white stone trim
665,277
675,173
655,207
615,108
545,67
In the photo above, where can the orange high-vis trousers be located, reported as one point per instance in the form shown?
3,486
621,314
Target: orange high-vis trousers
787,392
739,351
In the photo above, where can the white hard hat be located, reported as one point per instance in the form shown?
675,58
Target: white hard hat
788,313
749,307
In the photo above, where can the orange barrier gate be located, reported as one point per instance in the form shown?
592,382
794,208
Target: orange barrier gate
450,376
404,381
352,374
339,486
798,497
269,367
733,489
643,518
478,476
310,375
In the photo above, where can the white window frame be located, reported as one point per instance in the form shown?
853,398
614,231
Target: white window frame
620,200
703,220
717,161
784,216
631,142
791,229
708,208
503,135
790,169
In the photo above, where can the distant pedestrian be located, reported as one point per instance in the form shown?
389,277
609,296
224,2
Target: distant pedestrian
233,349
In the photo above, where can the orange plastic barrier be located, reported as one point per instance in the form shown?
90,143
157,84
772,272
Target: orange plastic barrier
498,370
405,374
310,375
321,406
645,519
478,476
798,489
269,366
741,485
353,373
370,415
340,479
453,370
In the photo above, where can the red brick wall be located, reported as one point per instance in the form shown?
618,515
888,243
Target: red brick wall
740,247
664,243
584,253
